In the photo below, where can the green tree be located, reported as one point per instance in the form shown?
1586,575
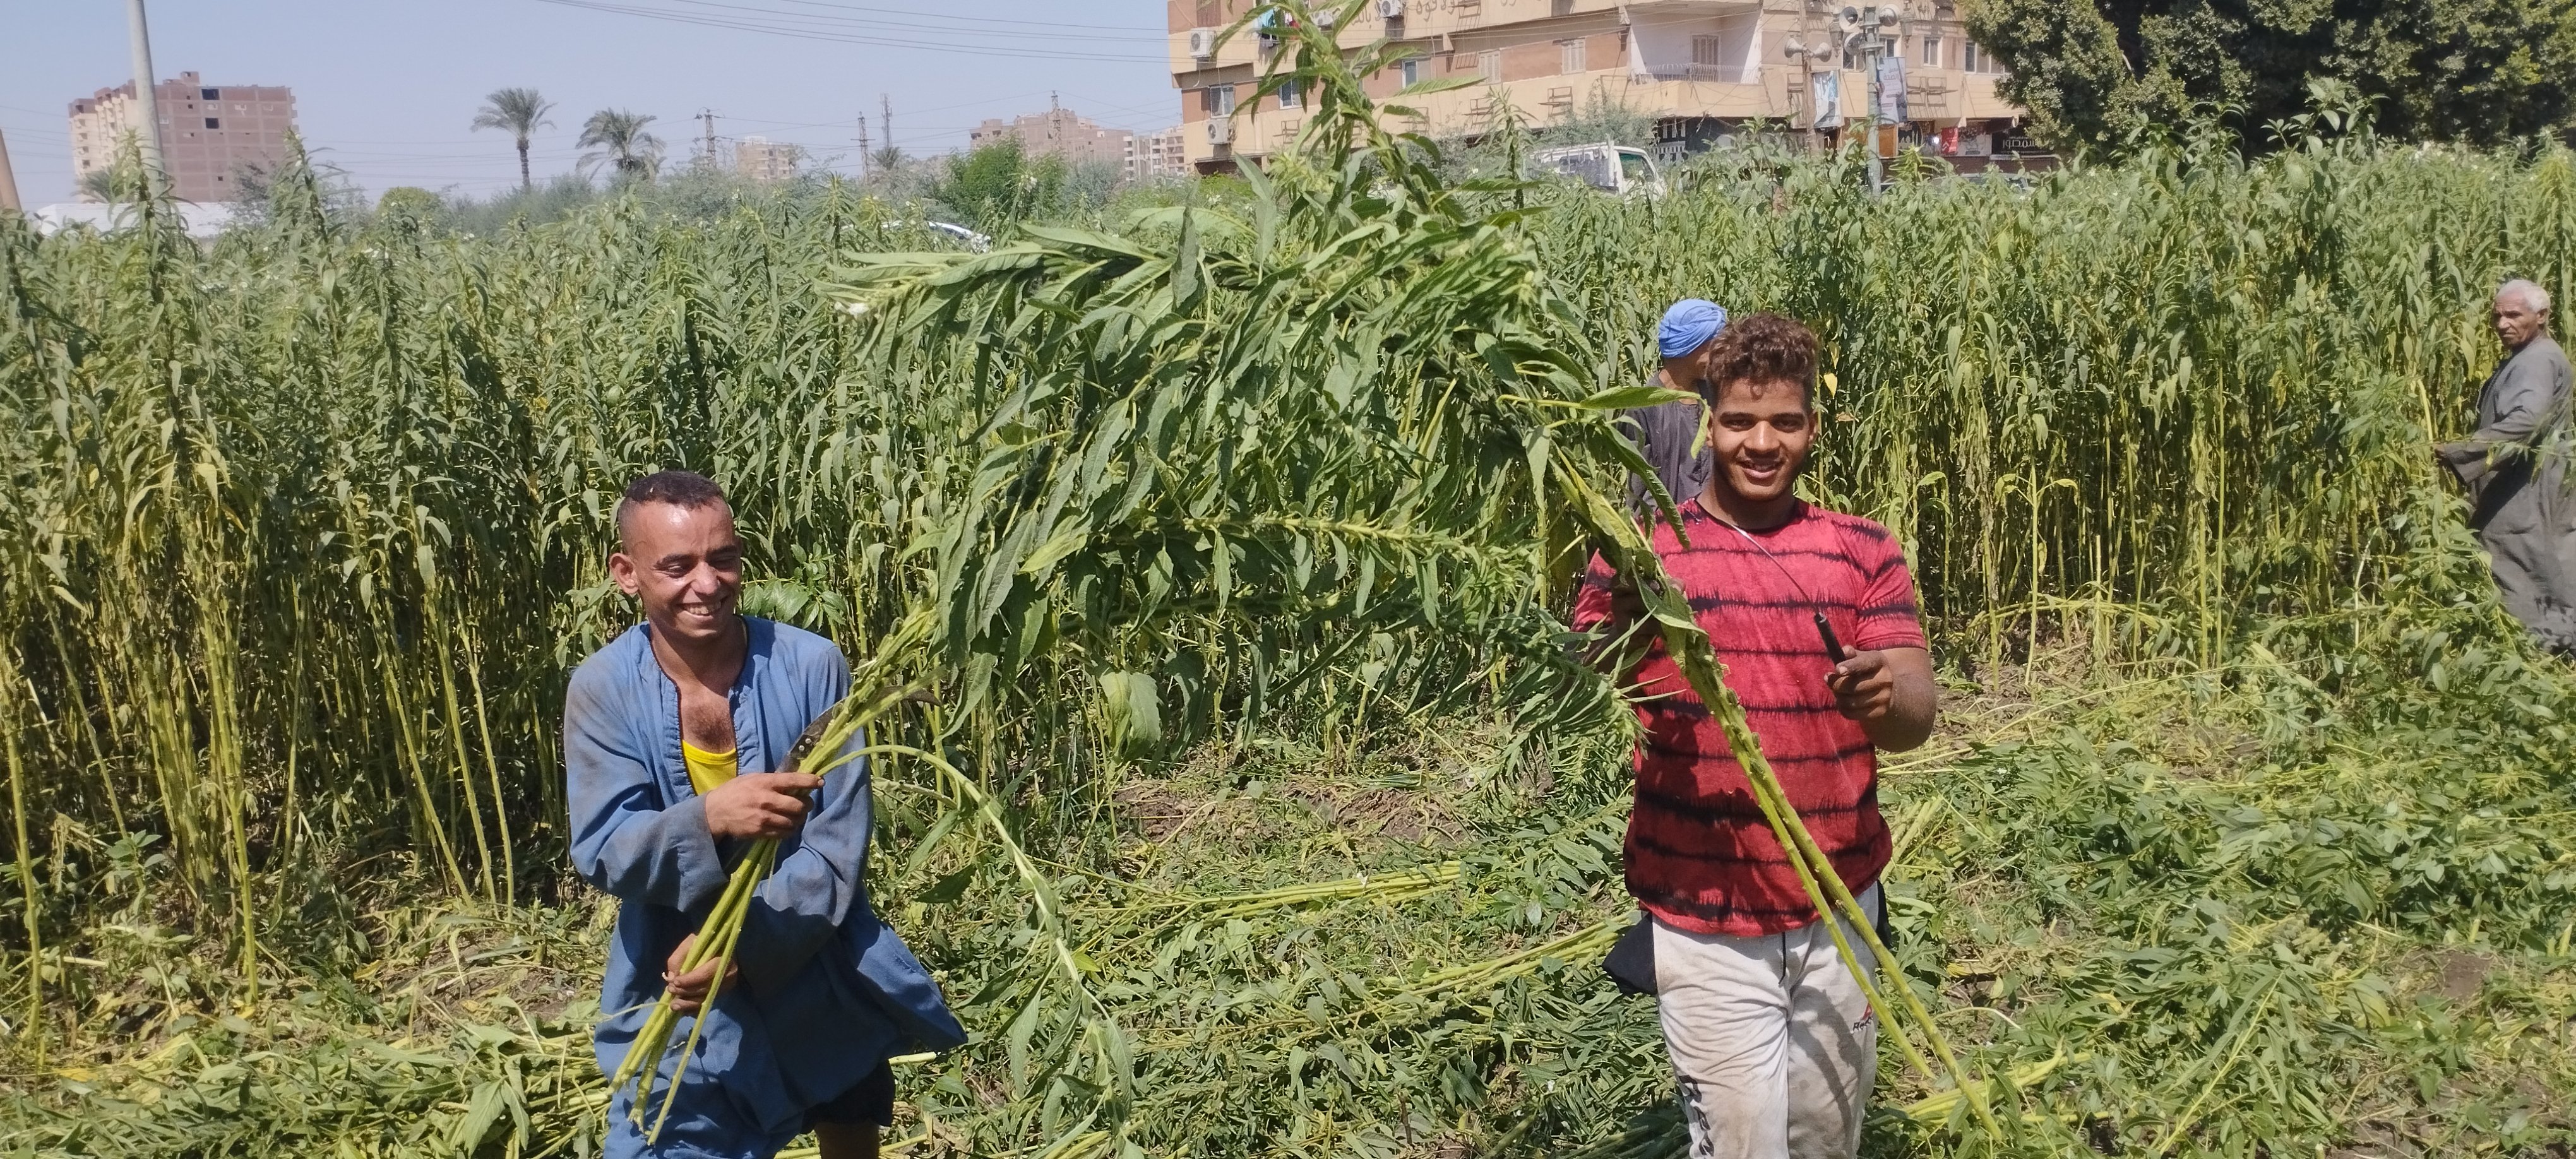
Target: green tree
999,182
409,201
518,112
2097,74
620,143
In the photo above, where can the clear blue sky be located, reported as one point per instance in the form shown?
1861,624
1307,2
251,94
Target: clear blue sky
386,88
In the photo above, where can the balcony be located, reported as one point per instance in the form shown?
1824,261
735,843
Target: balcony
1719,74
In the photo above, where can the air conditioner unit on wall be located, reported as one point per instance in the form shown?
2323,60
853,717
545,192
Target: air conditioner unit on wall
1220,131
1390,9
1202,43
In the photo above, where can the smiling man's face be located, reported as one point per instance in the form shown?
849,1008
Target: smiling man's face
1761,430
684,564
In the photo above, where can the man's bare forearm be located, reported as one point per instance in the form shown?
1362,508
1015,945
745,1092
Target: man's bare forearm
1909,720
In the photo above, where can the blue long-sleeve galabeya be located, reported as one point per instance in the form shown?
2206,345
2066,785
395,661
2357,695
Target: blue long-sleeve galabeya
827,991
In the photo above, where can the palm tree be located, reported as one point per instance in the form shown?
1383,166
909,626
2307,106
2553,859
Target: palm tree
520,112
623,144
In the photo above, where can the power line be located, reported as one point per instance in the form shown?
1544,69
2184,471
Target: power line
1124,37
977,103
1129,28
840,38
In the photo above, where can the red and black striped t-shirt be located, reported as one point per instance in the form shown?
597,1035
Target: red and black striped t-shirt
1700,856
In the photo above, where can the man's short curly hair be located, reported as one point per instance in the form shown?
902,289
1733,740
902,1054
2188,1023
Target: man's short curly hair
1764,348
686,490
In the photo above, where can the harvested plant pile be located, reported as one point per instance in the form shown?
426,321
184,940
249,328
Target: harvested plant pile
1267,496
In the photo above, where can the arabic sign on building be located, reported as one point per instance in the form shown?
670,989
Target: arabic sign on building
1891,89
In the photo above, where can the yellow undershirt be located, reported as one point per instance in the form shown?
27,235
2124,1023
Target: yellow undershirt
707,770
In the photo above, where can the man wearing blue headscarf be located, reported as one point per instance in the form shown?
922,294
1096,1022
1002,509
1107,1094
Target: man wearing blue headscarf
1668,435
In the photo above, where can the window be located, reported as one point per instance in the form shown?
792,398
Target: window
1708,51
1411,70
1489,64
1974,58
1217,101
210,94
1931,52
1289,97
214,122
1569,56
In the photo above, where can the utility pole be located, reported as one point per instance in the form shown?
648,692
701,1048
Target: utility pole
709,116
1877,168
865,162
886,102
8,181
145,101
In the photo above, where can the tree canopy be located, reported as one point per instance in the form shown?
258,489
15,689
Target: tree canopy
2097,74
620,143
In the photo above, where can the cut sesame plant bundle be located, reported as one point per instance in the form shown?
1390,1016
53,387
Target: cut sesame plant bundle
1287,343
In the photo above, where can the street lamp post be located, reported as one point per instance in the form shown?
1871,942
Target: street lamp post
1870,50
1869,35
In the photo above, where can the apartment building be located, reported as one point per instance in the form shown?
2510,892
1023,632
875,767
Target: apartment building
764,160
1158,154
208,133
1701,69
1058,132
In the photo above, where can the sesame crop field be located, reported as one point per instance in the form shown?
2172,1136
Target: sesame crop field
1253,801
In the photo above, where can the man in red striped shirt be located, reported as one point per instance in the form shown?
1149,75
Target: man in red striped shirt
1769,1033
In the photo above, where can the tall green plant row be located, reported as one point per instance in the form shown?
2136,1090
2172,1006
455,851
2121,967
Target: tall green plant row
304,527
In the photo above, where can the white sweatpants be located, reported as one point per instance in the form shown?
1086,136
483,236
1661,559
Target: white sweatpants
1771,1038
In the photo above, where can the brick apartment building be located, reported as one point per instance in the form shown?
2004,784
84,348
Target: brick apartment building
208,133
1700,68
1159,154
766,161
1058,132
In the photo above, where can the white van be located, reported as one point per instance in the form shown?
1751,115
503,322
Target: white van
1607,167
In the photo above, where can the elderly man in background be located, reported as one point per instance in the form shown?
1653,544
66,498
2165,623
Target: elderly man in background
1668,434
2516,467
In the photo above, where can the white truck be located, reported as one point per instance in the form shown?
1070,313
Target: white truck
1605,166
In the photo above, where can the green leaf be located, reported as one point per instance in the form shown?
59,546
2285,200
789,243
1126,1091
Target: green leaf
1440,84
1625,398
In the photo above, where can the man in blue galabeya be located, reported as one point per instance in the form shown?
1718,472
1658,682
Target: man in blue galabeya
669,733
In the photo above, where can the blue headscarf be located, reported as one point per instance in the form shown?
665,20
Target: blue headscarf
1688,326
